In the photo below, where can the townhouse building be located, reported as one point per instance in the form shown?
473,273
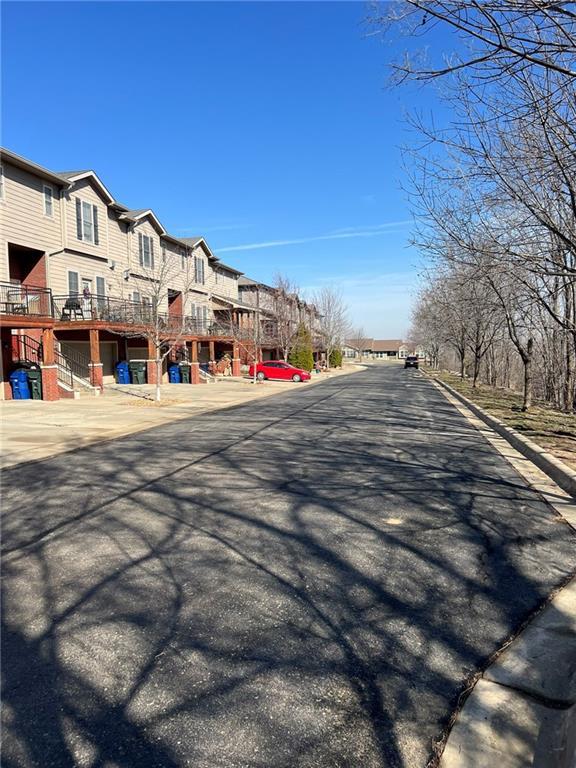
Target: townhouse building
83,278
81,275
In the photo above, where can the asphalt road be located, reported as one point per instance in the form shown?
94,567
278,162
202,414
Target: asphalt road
302,582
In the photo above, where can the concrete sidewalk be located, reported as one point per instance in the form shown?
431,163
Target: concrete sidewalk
35,429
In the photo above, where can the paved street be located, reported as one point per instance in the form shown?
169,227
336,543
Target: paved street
300,582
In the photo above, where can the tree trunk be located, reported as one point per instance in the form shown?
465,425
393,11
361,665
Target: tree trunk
158,378
527,360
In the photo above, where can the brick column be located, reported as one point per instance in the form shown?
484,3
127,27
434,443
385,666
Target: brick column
151,364
96,373
194,364
236,360
50,389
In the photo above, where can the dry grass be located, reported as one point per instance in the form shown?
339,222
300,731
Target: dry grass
553,430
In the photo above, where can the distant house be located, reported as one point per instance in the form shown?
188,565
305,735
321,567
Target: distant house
377,349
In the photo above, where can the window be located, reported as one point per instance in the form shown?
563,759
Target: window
198,269
1,182
100,286
163,253
183,258
136,297
86,221
48,194
146,250
73,283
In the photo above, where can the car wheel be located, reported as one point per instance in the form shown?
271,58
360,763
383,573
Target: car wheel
296,377
260,376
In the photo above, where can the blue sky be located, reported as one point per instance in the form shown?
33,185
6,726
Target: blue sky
265,127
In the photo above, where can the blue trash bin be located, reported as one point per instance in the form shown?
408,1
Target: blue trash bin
19,384
122,373
174,374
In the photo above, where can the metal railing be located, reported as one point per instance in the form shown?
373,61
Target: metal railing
29,349
76,362
18,299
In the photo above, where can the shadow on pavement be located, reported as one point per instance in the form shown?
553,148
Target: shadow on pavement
301,582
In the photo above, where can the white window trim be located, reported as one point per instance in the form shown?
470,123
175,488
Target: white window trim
146,238
2,190
77,273
86,239
44,200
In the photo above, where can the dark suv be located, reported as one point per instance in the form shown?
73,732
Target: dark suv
411,361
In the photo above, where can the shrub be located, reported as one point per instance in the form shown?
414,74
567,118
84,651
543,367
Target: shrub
335,358
301,354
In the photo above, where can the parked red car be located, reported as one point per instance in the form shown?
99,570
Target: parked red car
278,369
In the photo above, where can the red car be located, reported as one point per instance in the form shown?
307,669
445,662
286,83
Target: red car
278,369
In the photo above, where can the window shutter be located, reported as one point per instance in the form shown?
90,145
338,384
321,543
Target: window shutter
73,283
140,251
95,218
152,253
78,218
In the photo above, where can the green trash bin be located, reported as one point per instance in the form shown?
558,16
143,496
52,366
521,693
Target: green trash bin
185,373
35,382
137,371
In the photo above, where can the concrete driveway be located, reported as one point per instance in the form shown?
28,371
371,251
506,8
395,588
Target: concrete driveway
301,582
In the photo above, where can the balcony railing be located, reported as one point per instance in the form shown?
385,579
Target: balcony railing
75,307
17,299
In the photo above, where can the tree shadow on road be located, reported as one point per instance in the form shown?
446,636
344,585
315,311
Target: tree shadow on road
292,584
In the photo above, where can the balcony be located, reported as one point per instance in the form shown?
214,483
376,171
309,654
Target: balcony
124,312
26,300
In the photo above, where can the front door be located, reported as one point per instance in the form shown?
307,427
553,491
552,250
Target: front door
86,296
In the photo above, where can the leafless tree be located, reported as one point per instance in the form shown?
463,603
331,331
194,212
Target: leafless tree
358,341
286,313
493,39
333,321
159,280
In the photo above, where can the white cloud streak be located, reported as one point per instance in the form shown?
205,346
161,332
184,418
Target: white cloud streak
380,229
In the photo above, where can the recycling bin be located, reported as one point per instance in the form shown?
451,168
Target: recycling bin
122,372
137,371
19,384
35,382
174,376
185,373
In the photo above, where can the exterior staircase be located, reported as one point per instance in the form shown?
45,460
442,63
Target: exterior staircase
72,366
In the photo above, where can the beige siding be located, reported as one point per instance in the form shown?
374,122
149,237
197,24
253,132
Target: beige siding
87,267
118,241
22,217
225,283
86,191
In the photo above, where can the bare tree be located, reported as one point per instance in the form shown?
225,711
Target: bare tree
358,341
495,39
157,304
286,313
332,319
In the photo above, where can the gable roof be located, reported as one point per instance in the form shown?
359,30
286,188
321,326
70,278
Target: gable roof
143,213
27,165
74,176
387,345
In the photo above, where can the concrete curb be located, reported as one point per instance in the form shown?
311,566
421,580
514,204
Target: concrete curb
553,467
520,712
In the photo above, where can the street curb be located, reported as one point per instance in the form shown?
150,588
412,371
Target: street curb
499,719
562,475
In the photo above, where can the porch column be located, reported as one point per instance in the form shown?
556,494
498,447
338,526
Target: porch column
211,348
236,360
48,367
95,364
194,364
151,363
